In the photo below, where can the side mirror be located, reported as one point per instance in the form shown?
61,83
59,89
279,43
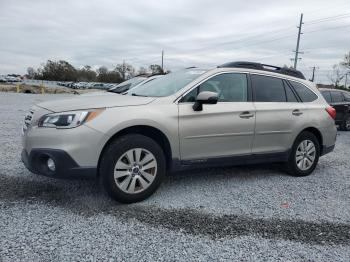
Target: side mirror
205,97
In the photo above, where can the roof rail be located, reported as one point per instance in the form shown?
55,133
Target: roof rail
264,67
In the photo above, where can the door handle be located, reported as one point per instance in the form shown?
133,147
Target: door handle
297,112
246,115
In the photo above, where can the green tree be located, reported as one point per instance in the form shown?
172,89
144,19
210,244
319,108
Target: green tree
106,76
125,70
87,74
57,71
31,73
156,69
346,62
336,75
142,71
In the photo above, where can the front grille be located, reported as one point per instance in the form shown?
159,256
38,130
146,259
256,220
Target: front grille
28,120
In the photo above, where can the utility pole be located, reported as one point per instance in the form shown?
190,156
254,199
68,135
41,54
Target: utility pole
163,61
313,73
298,41
346,79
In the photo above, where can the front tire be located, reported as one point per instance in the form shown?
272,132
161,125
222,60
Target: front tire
304,155
132,168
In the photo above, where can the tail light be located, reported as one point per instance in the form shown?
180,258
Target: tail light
331,112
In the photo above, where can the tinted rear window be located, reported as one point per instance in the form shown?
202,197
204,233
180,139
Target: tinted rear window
327,96
336,96
305,94
268,89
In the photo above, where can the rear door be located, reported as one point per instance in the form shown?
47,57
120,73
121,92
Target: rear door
278,113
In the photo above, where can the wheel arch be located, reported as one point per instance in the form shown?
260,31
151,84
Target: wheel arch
317,133
154,133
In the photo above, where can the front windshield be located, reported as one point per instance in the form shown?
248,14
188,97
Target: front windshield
126,85
166,85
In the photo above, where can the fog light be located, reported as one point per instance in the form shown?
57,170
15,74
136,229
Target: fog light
51,165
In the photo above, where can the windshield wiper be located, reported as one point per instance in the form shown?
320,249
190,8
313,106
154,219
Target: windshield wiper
113,90
133,94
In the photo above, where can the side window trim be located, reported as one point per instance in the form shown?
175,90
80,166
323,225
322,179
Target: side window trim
249,87
293,90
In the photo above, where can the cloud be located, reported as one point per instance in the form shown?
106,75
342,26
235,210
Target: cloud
197,32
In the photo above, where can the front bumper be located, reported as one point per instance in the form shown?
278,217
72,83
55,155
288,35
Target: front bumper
65,166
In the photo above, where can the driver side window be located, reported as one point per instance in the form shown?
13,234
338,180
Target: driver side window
230,87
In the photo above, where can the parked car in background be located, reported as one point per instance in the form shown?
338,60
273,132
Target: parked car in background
126,85
12,79
2,79
236,113
97,86
132,83
340,100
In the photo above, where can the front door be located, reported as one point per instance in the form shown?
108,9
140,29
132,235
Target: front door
220,130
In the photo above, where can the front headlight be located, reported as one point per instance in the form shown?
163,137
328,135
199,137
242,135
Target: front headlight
69,119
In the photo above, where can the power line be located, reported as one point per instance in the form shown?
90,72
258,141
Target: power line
329,18
327,29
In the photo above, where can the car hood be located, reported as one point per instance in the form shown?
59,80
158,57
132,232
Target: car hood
95,101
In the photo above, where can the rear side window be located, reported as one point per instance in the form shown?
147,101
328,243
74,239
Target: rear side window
268,89
327,96
305,94
336,96
289,93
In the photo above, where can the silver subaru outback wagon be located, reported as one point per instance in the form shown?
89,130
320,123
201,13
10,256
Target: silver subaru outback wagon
237,113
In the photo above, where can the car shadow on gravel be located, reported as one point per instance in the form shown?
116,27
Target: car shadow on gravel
26,186
84,198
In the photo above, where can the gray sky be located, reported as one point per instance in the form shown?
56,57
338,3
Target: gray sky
192,33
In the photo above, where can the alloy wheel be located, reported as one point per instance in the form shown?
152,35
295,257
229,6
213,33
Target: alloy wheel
305,155
135,170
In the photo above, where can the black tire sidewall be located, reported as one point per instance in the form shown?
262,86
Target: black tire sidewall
114,151
343,125
293,169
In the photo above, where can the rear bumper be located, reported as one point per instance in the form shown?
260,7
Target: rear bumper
65,166
327,149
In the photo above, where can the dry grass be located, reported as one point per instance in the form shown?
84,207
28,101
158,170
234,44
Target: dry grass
23,88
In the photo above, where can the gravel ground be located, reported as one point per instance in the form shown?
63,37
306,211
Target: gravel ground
242,213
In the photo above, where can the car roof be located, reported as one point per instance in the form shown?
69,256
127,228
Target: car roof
260,72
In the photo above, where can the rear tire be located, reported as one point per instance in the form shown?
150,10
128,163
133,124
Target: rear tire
132,167
345,126
304,155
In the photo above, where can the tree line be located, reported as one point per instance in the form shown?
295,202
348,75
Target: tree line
63,71
341,72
